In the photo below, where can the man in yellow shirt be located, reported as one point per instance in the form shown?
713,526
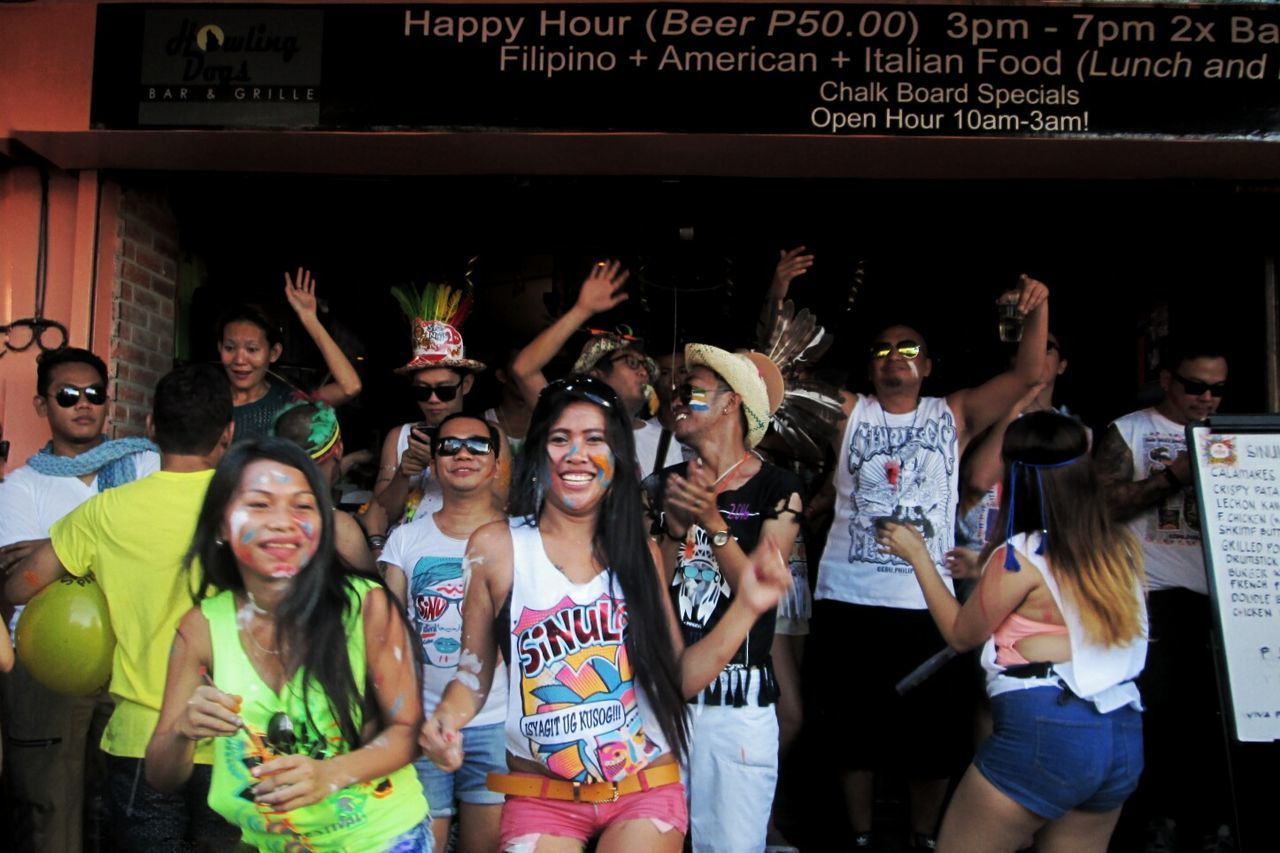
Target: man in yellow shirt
134,539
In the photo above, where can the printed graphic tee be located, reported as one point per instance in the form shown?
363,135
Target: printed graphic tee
1170,532
572,704
901,466
433,565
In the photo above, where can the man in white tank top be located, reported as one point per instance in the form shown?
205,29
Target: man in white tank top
1142,459
899,457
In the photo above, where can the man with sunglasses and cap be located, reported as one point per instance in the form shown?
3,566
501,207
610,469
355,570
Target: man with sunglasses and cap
424,565
47,731
617,359
1142,459
899,458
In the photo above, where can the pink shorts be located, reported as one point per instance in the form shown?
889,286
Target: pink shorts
525,818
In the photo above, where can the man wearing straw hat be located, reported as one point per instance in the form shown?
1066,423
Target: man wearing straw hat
713,512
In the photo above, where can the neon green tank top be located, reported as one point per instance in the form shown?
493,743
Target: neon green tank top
364,816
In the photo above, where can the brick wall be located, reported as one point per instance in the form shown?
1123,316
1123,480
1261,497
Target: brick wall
144,288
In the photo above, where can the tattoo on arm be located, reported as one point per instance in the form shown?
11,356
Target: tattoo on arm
1126,497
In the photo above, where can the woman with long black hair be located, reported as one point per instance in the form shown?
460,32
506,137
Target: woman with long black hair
570,591
302,672
1060,608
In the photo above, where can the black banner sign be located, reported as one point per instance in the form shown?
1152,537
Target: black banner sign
790,68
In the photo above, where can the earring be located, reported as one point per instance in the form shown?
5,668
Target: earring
219,541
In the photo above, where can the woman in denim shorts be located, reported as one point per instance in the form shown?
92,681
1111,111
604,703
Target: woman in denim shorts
1064,640
598,673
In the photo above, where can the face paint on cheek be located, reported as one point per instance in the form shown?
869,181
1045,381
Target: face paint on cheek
604,467
698,401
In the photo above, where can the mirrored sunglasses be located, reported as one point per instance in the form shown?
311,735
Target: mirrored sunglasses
68,395
452,445
906,349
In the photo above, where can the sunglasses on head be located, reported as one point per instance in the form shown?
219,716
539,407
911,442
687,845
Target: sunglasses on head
684,392
476,445
1196,388
443,393
68,395
582,387
906,349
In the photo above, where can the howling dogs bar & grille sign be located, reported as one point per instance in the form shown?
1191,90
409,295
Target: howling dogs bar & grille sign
821,69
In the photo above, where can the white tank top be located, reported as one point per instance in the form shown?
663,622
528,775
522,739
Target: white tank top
1101,674
1170,531
572,704
905,466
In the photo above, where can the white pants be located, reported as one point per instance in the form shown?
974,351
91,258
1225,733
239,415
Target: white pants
732,773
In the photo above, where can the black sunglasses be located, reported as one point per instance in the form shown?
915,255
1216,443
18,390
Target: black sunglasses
1195,388
443,393
906,349
476,445
68,395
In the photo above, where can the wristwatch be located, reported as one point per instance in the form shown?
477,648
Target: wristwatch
720,538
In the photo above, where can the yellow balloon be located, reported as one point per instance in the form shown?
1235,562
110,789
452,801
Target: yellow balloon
64,636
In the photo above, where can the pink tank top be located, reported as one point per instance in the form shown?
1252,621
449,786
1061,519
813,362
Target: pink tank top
1015,628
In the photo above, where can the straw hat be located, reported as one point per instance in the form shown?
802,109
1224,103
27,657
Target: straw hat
435,316
751,375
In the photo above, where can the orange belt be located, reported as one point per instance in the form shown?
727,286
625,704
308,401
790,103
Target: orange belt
546,788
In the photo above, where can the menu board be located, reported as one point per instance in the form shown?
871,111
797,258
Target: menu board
1237,474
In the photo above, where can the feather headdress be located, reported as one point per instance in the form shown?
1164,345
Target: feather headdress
435,314
810,410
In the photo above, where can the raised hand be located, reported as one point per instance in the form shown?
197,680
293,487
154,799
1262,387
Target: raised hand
792,263
602,288
1029,295
301,293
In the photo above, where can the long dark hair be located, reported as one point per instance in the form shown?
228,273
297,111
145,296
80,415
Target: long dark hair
310,629
1052,486
620,543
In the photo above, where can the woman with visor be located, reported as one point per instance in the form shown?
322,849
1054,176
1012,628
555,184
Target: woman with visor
570,591
302,672
1060,613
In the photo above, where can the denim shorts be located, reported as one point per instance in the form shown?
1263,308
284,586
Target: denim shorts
1052,755
416,840
484,751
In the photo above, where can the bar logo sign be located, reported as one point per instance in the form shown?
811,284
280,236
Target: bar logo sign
221,67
